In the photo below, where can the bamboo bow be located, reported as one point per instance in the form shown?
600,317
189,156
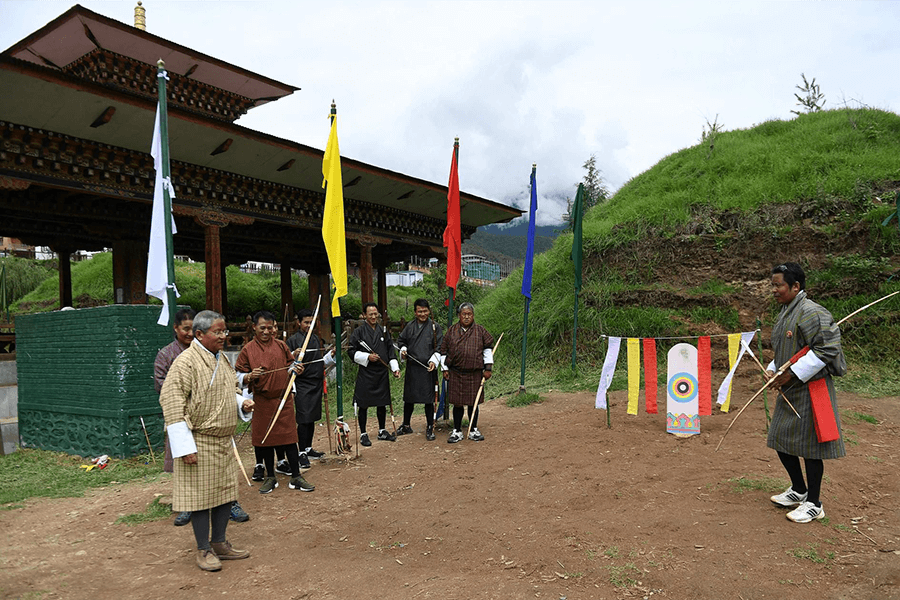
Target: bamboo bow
480,390
802,352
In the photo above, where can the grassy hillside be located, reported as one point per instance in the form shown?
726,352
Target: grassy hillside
686,247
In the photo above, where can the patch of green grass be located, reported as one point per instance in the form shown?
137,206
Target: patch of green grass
155,512
725,316
623,576
856,417
765,484
810,553
30,473
612,551
875,459
842,527
850,437
713,287
523,399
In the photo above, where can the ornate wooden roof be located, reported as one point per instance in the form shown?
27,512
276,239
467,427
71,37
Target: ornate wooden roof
76,119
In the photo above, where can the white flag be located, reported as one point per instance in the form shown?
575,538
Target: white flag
609,369
746,338
157,272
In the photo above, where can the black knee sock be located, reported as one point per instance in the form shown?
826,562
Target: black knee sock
293,458
429,415
260,455
362,418
267,456
305,433
279,453
200,523
792,466
381,413
458,412
408,408
219,517
472,421
815,469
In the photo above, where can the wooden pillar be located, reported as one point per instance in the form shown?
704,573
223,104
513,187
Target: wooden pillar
365,271
65,276
213,269
130,271
287,294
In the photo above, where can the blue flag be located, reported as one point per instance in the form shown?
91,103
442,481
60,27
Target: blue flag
529,253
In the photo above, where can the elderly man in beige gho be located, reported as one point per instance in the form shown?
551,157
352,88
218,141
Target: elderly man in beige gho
201,406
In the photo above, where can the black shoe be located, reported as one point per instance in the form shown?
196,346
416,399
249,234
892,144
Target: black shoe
429,433
238,514
314,454
259,473
183,518
304,461
283,467
364,440
386,436
404,429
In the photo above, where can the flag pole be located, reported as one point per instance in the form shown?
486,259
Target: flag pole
338,330
161,78
527,272
575,331
578,210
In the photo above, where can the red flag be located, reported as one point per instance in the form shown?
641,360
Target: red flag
453,232
704,375
650,375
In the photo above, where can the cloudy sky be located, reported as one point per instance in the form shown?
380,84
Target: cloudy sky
525,82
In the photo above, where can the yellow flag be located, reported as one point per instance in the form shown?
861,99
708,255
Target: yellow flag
734,342
333,233
634,374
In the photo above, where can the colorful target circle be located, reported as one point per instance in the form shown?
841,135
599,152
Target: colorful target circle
682,387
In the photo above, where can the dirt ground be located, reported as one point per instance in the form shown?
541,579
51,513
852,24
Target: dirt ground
552,505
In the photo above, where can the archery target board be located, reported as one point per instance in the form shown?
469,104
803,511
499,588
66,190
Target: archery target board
682,391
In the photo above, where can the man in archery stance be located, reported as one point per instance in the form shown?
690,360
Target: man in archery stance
262,367
419,342
308,385
371,348
807,383
201,409
466,357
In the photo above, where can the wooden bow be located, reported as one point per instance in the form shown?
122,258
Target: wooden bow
290,385
802,352
480,390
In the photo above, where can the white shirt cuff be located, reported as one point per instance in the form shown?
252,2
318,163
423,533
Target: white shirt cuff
488,356
772,367
435,358
808,365
241,382
444,362
181,440
403,349
395,366
244,416
361,358
329,359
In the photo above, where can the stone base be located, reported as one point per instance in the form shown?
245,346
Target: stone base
9,435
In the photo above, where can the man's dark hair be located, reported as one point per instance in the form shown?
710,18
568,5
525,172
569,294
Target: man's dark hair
303,313
367,305
792,273
264,315
185,314
421,302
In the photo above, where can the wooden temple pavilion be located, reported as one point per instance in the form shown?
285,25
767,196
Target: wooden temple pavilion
76,120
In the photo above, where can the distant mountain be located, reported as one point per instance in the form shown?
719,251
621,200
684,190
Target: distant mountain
521,229
501,246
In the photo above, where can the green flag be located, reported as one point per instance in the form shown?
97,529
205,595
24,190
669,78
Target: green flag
577,214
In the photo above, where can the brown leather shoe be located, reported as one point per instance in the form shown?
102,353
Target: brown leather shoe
208,561
225,552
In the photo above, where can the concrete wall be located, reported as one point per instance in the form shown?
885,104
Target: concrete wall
9,422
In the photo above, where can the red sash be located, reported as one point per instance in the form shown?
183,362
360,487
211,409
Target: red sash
823,413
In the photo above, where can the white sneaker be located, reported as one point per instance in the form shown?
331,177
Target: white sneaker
476,436
789,498
806,512
456,436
